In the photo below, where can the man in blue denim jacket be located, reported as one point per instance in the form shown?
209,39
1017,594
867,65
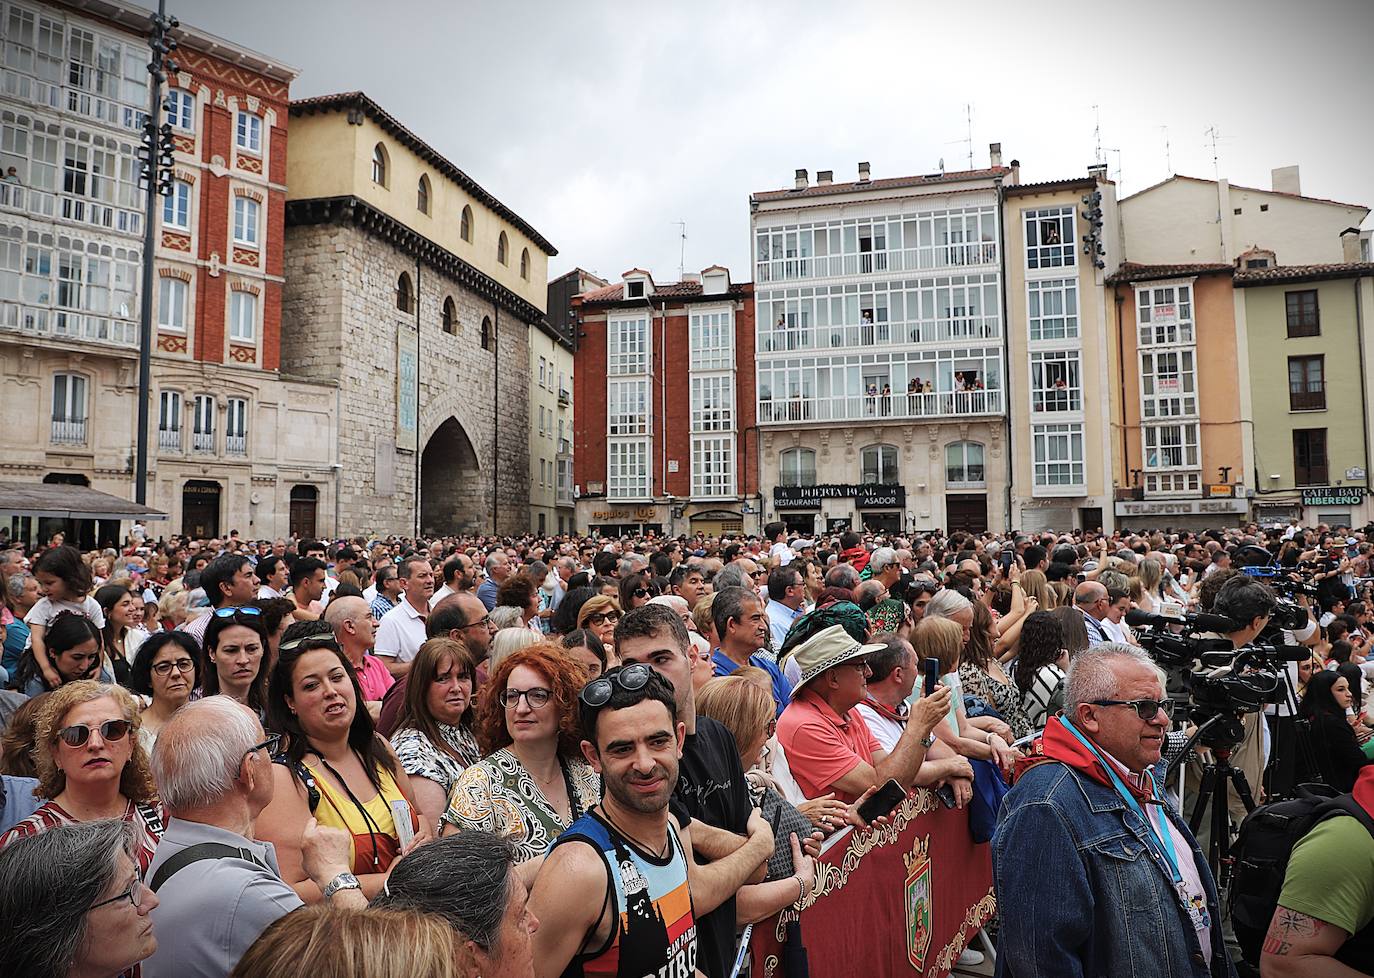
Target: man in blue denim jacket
1095,875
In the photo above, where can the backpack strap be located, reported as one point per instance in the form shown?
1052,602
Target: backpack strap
302,773
1347,805
197,853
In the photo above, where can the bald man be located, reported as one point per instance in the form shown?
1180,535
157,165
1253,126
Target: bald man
356,631
1092,600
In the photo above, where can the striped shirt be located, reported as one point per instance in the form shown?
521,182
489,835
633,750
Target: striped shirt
148,819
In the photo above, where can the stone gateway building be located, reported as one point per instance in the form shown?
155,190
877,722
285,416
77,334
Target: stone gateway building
415,290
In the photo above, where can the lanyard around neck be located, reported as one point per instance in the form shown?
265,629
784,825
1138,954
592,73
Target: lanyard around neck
1164,839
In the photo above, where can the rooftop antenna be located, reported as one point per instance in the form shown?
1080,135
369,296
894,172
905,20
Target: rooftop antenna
1213,134
682,249
1168,160
1097,135
967,141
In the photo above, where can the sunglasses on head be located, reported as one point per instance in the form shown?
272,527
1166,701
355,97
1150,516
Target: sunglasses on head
231,612
78,733
631,678
319,642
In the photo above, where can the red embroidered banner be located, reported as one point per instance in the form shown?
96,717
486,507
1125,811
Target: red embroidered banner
901,899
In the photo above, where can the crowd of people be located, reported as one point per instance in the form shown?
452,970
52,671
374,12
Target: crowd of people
429,757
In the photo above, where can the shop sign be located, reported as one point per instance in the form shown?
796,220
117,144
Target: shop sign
1220,492
644,514
1337,496
864,496
1182,507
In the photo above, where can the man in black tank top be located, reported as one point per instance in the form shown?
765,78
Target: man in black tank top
618,893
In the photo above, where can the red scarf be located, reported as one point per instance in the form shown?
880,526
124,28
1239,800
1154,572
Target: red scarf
857,557
1057,744
1364,789
883,710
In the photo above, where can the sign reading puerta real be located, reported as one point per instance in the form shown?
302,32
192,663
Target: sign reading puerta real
868,496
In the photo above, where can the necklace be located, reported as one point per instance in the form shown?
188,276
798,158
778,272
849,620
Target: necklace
659,852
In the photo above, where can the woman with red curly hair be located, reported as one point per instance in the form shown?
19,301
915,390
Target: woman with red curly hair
532,782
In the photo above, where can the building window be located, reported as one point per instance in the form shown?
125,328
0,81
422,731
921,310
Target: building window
1309,457
627,470
405,294
236,427
422,194
525,264
713,466
181,110
627,404
450,316
243,317
379,165
712,340
1050,238
69,409
713,403
629,346
1168,384
1306,384
1052,309
248,133
797,467
1171,446
1165,314
176,207
246,221
964,465
203,429
1058,455
502,246
487,335
880,465
465,225
171,304
635,289
1056,384
1304,318
169,421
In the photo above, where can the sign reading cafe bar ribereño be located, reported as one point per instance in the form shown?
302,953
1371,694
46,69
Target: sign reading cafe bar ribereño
865,496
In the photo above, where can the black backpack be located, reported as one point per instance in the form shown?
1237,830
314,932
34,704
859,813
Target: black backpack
1262,850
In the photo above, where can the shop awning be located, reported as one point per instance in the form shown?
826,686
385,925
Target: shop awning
58,501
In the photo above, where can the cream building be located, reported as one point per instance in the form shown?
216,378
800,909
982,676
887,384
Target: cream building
551,428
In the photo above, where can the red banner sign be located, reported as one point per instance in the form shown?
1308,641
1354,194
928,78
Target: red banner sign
900,899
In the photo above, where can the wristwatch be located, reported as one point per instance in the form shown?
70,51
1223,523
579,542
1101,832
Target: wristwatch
344,881
929,740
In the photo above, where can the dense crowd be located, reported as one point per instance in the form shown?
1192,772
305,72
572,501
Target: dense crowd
429,757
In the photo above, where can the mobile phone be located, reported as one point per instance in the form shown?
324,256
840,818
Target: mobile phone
1008,555
882,801
932,667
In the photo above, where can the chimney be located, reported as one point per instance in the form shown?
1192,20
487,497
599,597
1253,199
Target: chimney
1098,171
994,155
863,173
1015,172
825,178
1350,245
802,182
1284,180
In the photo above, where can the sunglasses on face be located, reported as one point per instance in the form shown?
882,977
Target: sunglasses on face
598,691
79,733
535,697
643,592
600,618
1145,709
165,667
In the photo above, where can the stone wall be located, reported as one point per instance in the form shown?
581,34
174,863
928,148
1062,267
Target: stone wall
341,321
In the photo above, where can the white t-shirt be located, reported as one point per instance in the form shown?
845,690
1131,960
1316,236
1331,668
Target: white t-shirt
45,610
884,729
400,633
781,552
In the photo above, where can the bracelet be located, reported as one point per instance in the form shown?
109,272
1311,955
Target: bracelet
801,889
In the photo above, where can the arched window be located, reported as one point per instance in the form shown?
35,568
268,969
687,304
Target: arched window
486,332
465,227
879,465
379,165
405,294
501,246
964,464
525,263
422,194
450,317
797,467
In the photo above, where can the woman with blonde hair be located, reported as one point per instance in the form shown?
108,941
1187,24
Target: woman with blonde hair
1150,573
943,639
600,614
1037,586
91,765
508,641
366,943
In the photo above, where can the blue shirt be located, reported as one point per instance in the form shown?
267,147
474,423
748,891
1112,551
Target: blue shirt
381,604
486,593
16,800
723,665
16,640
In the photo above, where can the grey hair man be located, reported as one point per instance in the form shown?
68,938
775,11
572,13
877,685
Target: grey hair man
1095,783
497,567
884,567
735,575
471,881
220,888
842,576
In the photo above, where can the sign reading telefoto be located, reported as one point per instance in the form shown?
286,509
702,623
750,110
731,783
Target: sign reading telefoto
1181,507
864,496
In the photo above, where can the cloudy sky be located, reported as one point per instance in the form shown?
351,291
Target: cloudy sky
604,124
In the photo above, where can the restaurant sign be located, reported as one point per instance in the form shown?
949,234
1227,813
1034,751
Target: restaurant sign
868,496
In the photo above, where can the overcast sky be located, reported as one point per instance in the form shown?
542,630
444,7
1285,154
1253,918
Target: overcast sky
604,124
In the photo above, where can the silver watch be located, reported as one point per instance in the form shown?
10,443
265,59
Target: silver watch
344,881
929,742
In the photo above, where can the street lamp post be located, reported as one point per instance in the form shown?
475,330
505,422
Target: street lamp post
156,156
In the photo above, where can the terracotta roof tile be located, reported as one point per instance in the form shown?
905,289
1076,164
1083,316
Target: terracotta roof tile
667,290
1299,273
887,183
1136,272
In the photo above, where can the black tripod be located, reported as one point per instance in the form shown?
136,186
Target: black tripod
1212,790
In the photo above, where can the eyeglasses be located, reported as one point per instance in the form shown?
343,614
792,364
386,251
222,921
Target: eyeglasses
535,697
134,894
78,733
631,678
1145,709
599,618
322,642
165,667
231,612
484,620
771,729
757,574
270,744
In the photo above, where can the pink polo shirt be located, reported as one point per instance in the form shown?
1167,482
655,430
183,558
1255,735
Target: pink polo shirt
374,678
821,746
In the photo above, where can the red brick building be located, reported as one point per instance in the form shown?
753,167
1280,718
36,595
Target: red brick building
665,436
